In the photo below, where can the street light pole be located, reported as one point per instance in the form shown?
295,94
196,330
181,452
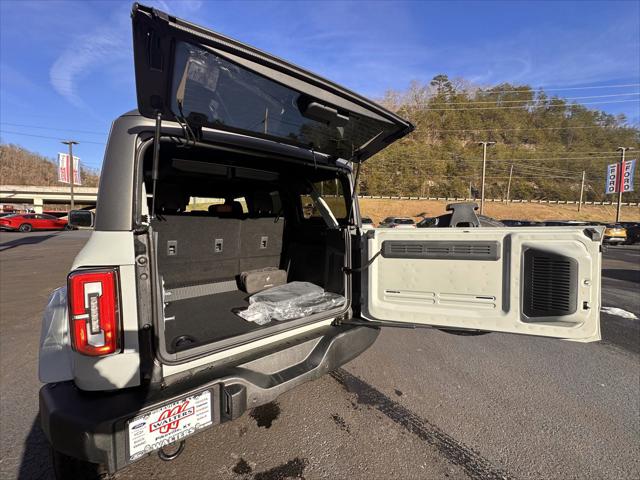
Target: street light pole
620,179
484,171
71,143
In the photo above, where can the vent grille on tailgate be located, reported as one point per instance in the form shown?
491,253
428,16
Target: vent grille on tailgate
550,284
454,250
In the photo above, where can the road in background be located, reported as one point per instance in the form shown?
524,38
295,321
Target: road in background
418,404
621,289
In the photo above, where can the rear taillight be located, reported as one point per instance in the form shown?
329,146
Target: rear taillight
94,311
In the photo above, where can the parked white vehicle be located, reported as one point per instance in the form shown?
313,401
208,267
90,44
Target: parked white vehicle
397,222
366,223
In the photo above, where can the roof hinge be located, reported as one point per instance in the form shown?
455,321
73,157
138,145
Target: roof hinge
160,15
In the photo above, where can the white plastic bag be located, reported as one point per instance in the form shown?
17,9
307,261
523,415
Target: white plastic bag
54,364
286,302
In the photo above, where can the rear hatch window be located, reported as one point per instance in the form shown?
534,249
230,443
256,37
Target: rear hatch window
222,94
201,78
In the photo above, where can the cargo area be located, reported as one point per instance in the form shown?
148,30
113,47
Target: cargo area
219,215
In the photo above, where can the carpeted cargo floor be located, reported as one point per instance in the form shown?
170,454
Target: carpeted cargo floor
207,318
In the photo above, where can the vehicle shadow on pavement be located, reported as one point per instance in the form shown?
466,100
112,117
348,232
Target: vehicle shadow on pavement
626,275
36,459
24,241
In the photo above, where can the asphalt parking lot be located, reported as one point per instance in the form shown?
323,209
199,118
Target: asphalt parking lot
418,404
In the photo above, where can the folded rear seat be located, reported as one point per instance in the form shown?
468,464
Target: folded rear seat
261,235
213,250
193,250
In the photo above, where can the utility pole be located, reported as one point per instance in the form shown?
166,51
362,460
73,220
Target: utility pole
581,191
620,179
71,143
484,171
509,184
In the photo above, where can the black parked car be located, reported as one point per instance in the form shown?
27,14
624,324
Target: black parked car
633,232
522,223
565,223
462,215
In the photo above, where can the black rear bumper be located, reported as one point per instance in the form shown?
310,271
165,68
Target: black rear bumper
91,426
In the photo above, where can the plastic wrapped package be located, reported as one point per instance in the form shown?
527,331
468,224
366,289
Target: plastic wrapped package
54,364
286,302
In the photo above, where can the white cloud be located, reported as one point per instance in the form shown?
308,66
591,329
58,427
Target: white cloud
85,54
102,50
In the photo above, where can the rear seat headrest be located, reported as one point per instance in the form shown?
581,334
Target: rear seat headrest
227,210
236,209
262,204
171,199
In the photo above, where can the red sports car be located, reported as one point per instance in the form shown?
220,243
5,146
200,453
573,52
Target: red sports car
33,221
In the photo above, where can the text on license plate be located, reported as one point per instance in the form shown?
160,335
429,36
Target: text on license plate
168,424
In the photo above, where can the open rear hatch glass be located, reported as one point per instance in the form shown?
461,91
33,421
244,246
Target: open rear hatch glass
203,79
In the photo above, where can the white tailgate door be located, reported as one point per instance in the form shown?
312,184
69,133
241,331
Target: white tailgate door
534,281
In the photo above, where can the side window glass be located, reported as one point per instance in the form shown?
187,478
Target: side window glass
266,204
332,193
210,204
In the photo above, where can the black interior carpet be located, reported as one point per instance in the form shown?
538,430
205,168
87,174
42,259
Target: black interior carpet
205,319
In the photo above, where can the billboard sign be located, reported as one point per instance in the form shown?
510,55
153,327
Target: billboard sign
64,169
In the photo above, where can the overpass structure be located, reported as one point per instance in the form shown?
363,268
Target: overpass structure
34,197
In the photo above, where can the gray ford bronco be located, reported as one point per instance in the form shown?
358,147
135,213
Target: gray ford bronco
228,263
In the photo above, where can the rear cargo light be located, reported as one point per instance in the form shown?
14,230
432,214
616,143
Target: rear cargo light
94,311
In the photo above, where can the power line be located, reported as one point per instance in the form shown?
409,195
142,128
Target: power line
525,128
51,128
92,132
475,102
536,169
574,153
523,106
523,171
558,89
422,159
47,137
476,176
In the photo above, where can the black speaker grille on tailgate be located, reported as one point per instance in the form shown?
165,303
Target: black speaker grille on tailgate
454,250
550,284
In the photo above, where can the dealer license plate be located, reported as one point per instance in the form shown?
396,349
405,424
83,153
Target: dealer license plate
168,424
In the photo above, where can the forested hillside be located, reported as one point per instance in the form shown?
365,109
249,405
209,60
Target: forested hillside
19,166
548,140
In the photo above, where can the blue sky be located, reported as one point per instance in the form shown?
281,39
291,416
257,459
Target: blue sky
68,66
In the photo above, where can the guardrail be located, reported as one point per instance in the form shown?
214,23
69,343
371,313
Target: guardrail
496,200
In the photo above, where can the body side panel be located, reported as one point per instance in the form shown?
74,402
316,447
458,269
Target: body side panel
106,249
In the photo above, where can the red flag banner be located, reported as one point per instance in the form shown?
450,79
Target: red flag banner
611,185
626,177
64,169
